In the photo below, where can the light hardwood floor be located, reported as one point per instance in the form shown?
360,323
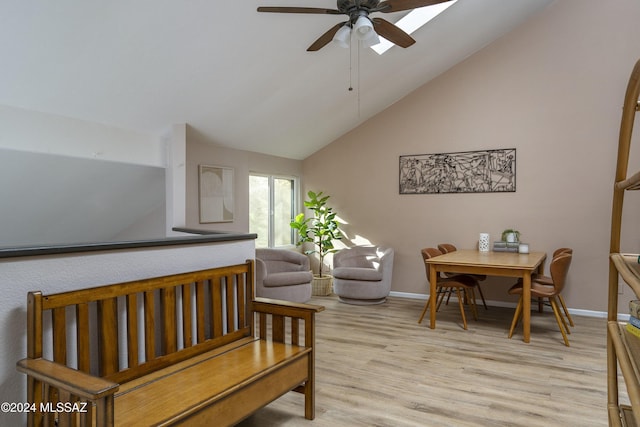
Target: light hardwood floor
376,366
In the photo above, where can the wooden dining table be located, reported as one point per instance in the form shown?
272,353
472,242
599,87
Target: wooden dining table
507,264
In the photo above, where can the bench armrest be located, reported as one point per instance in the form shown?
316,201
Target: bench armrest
62,377
279,310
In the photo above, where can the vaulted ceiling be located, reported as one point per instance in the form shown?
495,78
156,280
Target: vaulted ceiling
239,78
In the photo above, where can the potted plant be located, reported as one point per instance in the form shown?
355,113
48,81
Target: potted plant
321,229
510,235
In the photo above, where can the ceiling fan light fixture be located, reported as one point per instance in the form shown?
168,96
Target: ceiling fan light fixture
342,36
363,27
358,12
372,39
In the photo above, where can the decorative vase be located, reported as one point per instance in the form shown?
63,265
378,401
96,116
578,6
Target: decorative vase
483,242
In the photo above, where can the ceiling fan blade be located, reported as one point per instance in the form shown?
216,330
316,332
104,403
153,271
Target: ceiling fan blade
324,39
392,33
399,5
316,10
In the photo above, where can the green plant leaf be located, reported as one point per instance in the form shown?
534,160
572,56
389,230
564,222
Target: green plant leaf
321,229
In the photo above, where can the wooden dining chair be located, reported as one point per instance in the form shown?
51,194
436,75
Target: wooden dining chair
445,248
559,268
548,281
462,285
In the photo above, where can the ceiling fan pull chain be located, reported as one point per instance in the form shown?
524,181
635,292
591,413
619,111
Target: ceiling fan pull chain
358,77
350,64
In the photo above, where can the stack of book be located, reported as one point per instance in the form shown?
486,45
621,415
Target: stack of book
503,246
634,318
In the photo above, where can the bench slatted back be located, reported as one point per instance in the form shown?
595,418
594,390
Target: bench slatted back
124,331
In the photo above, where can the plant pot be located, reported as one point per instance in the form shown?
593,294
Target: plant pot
321,286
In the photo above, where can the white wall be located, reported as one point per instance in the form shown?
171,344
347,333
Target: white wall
176,175
103,209
65,180
47,133
54,199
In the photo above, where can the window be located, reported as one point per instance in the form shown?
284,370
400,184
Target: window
272,206
412,21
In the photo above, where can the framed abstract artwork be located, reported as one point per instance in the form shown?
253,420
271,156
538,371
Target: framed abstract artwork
484,171
216,194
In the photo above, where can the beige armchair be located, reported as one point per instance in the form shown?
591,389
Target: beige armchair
283,274
362,274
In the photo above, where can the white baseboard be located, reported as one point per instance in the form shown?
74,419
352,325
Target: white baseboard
576,311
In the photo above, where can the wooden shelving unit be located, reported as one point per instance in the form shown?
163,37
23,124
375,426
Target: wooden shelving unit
623,348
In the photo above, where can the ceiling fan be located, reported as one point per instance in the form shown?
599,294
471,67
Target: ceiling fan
358,11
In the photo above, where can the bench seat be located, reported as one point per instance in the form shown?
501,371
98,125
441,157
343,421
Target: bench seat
186,390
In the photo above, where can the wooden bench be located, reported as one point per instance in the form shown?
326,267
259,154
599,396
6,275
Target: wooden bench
188,349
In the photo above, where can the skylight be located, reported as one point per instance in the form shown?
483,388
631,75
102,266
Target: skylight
412,21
